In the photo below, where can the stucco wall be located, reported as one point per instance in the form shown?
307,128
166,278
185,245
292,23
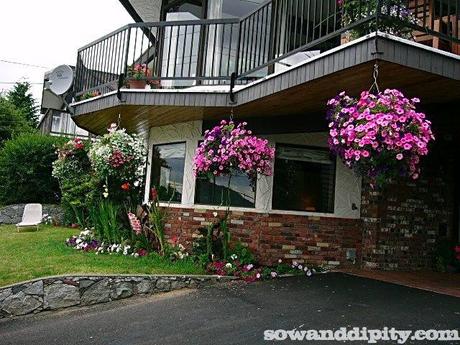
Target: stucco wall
347,187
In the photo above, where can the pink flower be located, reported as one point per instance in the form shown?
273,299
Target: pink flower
399,156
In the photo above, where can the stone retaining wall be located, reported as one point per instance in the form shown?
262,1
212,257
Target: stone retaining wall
12,214
68,291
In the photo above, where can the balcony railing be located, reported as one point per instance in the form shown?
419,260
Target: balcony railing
181,54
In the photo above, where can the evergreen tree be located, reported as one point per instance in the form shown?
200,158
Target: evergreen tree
12,121
24,101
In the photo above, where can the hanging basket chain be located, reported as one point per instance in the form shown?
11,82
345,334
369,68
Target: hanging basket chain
375,76
231,114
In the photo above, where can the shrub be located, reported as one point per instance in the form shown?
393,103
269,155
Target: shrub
25,167
78,185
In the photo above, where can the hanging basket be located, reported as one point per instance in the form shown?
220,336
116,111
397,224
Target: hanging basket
381,136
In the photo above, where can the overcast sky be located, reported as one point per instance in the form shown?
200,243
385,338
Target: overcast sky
48,33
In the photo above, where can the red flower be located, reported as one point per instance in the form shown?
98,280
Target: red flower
125,186
78,144
142,252
153,194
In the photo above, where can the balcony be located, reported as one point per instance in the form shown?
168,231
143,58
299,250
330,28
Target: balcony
229,54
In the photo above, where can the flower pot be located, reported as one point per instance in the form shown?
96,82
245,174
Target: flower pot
155,84
137,83
345,38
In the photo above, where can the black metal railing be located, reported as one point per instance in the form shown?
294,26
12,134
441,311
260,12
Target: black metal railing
179,54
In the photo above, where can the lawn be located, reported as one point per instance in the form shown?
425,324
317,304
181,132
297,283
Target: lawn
28,255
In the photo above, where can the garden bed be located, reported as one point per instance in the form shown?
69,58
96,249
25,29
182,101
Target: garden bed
30,255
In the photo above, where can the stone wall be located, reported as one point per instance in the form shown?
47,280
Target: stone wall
12,214
270,236
63,292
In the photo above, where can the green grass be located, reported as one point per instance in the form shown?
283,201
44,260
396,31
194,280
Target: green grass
28,255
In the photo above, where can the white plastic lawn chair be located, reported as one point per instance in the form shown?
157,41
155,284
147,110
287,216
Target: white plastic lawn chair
31,217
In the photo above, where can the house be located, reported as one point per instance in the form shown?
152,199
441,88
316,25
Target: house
55,120
274,64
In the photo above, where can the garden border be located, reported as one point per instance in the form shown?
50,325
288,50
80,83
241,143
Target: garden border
63,291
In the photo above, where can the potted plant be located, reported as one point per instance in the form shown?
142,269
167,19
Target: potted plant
395,17
138,76
380,136
227,149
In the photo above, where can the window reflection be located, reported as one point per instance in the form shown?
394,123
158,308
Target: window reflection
168,162
304,179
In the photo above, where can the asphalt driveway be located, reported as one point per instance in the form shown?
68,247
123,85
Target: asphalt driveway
239,314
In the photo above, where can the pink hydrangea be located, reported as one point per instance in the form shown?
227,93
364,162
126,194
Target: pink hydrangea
382,135
229,148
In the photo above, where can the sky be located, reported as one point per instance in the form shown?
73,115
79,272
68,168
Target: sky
48,33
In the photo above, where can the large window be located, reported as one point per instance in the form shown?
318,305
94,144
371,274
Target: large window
168,162
304,179
216,192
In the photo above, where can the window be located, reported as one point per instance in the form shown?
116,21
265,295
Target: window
168,162
216,191
304,179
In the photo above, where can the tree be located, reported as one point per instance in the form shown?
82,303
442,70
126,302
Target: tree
24,101
12,122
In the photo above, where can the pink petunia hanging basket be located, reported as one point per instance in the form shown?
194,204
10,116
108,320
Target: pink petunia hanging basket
381,136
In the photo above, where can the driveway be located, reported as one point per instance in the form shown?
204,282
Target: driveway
239,314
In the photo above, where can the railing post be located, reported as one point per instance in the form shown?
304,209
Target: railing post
128,42
238,45
378,12
201,47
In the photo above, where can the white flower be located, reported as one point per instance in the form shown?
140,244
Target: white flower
274,274
136,255
309,273
280,261
306,269
300,267
249,267
214,214
258,275
295,264
228,265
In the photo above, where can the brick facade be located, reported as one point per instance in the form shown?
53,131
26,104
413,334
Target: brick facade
402,225
316,240
398,229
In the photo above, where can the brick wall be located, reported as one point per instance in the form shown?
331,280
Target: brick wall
316,240
402,225
398,230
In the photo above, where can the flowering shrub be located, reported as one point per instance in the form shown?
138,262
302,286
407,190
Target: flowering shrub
381,136
139,72
76,180
119,158
398,13
229,148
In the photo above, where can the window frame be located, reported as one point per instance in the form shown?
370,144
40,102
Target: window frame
231,207
151,185
334,182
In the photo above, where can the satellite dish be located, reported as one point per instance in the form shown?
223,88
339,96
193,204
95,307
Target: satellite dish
61,79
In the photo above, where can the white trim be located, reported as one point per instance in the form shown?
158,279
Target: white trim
198,207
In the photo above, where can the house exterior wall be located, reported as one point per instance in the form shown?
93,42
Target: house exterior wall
403,225
396,230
